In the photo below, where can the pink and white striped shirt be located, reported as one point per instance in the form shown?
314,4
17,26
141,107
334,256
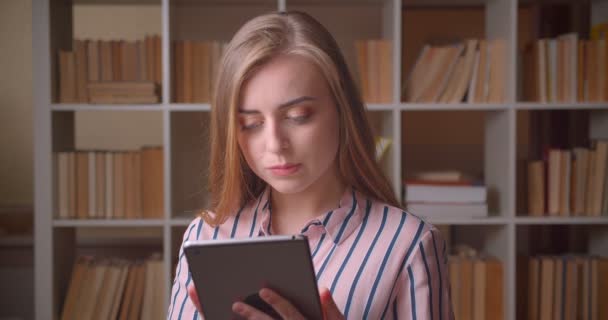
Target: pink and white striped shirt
379,261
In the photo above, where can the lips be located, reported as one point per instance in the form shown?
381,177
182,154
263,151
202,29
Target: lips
283,166
284,169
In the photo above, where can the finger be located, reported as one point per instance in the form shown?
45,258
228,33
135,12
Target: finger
194,297
248,312
330,309
283,307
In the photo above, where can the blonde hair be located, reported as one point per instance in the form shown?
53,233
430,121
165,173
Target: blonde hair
231,182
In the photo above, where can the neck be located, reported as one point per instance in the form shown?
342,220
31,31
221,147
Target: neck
291,211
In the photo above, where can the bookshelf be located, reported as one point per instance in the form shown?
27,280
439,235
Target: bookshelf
181,129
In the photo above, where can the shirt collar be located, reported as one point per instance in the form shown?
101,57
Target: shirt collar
338,223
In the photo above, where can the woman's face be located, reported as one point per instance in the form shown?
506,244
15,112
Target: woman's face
288,125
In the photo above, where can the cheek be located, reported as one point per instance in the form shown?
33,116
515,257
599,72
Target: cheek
250,148
329,133
322,139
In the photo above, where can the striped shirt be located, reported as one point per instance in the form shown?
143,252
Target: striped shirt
379,261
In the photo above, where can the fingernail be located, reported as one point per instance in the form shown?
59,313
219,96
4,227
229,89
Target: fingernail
237,307
264,294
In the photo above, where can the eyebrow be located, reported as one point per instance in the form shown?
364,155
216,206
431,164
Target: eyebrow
283,105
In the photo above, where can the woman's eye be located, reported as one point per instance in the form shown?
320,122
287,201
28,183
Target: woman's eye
299,118
250,125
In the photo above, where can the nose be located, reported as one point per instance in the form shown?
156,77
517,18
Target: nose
276,138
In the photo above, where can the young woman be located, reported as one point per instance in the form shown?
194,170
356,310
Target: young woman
292,152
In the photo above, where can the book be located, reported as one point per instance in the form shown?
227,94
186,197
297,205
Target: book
67,77
445,194
448,210
75,287
442,176
111,288
375,70
536,188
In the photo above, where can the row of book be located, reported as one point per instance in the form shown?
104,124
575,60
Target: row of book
107,60
566,69
445,194
567,287
109,185
476,287
127,92
115,289
195,65
570,182
473,71
375,69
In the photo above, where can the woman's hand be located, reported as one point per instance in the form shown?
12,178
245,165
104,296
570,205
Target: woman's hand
194,297
330,309
280,305
285,309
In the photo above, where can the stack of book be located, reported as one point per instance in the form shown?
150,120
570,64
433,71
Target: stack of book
570,182
107,60
195,68
109,185
375,69
129,92
476,283
566,69
567,287
115,289
472,71
445,195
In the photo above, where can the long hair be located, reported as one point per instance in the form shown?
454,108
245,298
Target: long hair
232,183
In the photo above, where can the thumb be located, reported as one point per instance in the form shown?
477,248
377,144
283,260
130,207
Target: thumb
194,297
330,309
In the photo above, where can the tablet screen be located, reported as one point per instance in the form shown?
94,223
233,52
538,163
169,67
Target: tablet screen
226,271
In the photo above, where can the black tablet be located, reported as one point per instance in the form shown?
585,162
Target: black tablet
226,271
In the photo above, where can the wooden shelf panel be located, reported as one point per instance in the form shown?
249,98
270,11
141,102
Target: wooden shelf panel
494,221
190,107
106,107
561,106
109,223
522,220
452,107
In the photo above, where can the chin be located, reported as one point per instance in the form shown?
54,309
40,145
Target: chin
288,187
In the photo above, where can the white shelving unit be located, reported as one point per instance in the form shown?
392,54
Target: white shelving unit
56,240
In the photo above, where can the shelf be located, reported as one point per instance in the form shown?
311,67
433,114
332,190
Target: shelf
452,107
190,107
380,106
109,223
468,221
106,107
335,2
437,221
561,106
121,2
520,220
483,139
223,2
181,222
16,241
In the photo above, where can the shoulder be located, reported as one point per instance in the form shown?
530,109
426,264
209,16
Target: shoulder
197,229
200,228
398,216
409,231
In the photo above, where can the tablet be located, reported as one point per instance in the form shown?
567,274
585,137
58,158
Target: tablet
226,271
